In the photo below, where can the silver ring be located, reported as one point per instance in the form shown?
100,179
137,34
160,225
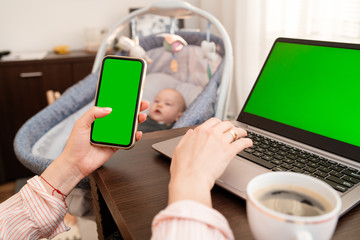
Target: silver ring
234,134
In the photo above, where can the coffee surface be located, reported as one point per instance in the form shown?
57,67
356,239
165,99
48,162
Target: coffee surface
294,201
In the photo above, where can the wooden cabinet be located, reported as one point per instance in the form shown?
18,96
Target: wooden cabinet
23,86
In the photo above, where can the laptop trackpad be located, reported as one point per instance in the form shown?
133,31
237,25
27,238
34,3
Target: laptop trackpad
237,175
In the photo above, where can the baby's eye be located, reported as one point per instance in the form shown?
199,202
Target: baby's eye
168,104
156,101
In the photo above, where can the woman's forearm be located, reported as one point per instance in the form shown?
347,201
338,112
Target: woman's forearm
61,175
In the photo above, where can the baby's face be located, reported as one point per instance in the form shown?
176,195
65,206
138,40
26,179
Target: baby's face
167,107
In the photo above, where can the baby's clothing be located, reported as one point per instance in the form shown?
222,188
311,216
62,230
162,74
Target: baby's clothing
151,125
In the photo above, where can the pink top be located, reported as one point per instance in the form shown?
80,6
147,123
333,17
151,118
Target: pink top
190,220
33,213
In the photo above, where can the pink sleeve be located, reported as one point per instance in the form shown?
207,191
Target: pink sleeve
32,213
190,220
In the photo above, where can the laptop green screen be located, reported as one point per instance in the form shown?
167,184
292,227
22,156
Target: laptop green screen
313,88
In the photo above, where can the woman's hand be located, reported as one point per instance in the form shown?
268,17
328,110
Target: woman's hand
201,157
85,156
80,158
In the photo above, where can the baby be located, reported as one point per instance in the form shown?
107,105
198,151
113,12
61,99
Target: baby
166,109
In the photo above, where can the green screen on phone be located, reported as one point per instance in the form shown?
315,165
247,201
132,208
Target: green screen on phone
119,88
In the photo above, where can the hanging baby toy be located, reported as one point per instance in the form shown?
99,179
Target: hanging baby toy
208,50
132,45
134,49
173,43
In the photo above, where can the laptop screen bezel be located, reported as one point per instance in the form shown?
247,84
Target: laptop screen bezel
315,140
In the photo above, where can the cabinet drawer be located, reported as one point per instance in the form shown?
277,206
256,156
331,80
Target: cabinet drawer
20,87
22,95
23,86
81,70
57,77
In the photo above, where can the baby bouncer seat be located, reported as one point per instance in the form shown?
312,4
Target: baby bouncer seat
42,138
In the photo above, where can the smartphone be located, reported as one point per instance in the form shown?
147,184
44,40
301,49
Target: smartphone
120,85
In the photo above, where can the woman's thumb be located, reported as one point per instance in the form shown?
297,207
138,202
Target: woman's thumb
95,112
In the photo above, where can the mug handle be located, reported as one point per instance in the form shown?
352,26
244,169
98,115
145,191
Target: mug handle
303,235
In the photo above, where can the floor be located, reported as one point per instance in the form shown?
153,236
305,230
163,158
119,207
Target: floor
80,228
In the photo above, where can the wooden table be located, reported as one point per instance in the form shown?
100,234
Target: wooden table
132,187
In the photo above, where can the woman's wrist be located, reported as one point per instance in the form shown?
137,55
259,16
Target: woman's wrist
62,175
187,188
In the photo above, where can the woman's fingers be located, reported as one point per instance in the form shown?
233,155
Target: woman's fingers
229,132
209,123
138,135
224,126
241,144
233,134
142,117
144,105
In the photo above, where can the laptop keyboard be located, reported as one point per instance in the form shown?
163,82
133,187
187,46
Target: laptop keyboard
278,156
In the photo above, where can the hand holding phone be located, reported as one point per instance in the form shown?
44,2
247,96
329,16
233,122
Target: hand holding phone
120,84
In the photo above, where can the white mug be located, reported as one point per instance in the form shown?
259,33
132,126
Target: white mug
266,223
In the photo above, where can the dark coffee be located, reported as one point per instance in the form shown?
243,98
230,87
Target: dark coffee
294,201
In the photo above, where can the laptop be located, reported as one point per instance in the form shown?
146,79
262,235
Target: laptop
303,115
